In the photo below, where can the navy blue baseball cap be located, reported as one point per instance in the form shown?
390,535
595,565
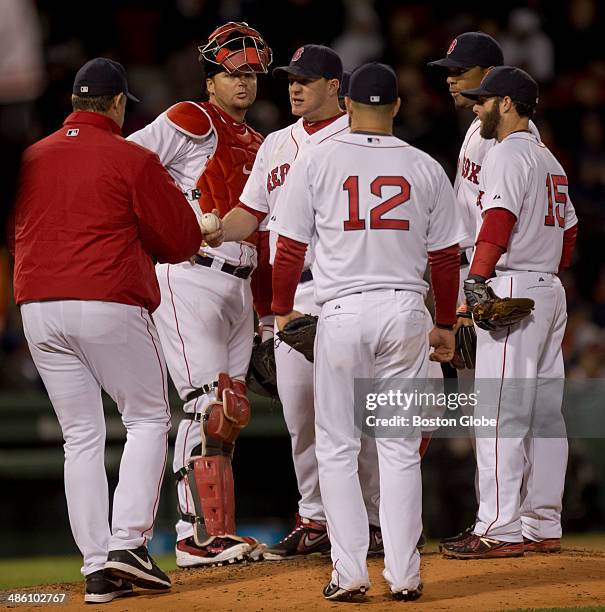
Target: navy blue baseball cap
312,61
506,81
344,84
373,84
471,49
102,77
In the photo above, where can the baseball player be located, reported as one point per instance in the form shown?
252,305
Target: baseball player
469,58
314,75
526,236
205,320
374,206
91,213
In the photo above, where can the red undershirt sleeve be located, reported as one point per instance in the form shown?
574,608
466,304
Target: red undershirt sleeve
492,241
260,216
287,268
261,283
569,242
445,278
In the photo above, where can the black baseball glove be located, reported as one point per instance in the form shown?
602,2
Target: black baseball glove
466,342
491,312
262,375
300,334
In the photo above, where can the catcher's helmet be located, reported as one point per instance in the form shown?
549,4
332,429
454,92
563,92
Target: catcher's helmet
236,46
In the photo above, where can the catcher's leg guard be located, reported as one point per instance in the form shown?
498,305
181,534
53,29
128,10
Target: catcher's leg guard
210,476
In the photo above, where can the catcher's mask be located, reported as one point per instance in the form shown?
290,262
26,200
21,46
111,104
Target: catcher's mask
236,46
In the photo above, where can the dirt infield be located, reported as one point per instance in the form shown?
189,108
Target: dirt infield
572,578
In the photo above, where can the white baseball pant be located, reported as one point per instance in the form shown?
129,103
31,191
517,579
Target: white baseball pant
295,388
205,323
377,334
79,348
527,359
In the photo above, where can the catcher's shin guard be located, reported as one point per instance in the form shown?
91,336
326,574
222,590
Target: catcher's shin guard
210,476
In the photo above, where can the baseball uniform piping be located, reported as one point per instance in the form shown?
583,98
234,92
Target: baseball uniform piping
157,497
176,320
464,155
294,139
498,421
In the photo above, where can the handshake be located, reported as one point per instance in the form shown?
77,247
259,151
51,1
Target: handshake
212,229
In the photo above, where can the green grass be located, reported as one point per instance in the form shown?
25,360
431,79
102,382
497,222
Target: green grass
50,570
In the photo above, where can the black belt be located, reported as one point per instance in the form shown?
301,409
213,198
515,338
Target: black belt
238,271
306,276
464,259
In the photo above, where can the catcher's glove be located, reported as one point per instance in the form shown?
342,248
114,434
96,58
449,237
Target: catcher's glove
300,334
466,342
491,312
262,376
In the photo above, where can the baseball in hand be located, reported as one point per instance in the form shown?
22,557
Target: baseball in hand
210,223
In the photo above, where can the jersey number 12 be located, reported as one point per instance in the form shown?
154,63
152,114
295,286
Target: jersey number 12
351,186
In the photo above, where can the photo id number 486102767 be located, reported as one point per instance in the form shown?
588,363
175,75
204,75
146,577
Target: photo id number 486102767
16,598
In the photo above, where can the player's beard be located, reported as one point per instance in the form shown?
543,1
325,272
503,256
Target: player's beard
490,123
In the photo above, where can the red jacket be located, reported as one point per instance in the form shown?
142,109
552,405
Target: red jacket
91,211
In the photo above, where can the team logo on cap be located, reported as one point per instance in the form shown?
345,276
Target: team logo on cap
452,46
374,98
84,89
297,54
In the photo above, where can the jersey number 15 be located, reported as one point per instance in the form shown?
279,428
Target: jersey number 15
552,186
351,186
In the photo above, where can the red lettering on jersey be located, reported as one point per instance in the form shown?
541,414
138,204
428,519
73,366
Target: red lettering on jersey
552,184
476,168
277,176
465,167
283,170
351,185
353,222
479,196
376,220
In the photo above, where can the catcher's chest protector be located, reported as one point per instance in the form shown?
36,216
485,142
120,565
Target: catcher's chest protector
227,171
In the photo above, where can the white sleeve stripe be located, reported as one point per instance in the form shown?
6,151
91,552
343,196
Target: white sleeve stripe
255,205
446,244
289,234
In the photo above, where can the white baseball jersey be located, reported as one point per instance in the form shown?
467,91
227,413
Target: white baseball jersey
276,155
374,206
520,174
185,156
468,174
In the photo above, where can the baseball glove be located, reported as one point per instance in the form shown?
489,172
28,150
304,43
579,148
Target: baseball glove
491,312
300,334
466,342
262,376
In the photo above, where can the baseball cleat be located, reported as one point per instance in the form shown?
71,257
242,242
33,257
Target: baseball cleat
408,594
257,549
480,547
551,545
335,593
136,566
458,538
220,551
101,589
307,538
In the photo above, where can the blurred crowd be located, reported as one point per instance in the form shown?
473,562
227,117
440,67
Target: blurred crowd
555,42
